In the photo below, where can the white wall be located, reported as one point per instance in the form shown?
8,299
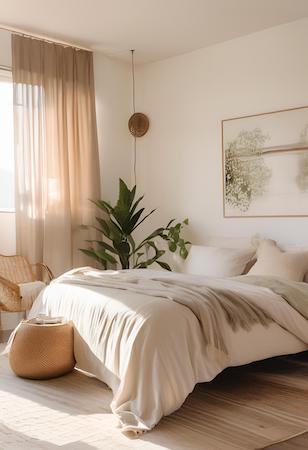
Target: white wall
186,97
113,98
5,48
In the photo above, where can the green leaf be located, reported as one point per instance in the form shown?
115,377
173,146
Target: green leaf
123,248
132,243
145,217
158,254
104,225
154,234
103,205
133,208
134,220
91,254
150,261
99,230
139,254
172,247
183,253
115,231
104,245
164,265
125,195
170,222
105,256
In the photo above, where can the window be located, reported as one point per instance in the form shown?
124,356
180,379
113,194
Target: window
7,183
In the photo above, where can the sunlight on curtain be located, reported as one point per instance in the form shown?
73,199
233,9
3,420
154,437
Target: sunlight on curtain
7,188
56,151
29,134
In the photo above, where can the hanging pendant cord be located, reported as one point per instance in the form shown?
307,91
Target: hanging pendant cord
134,110
133,81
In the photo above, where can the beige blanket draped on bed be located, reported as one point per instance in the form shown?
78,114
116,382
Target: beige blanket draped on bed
210,302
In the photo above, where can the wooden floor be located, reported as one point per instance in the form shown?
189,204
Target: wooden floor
297,443
244,408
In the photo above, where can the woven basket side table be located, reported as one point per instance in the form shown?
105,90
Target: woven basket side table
42,351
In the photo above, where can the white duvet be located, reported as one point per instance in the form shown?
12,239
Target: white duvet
150,350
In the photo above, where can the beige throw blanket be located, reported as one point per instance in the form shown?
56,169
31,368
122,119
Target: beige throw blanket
293,292
210,302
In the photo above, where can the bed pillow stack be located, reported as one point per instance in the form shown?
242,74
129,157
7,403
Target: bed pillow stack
217,262
273,261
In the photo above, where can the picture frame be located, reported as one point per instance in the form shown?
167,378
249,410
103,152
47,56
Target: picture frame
265,164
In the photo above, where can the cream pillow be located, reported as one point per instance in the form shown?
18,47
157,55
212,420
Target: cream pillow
273,261
297,249
217,262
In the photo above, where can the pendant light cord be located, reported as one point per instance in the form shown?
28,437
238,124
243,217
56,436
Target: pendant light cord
134,110
133,81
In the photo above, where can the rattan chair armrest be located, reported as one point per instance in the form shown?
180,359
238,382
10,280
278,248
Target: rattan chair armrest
10,285
46,269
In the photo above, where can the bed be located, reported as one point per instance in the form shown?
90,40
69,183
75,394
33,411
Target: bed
149,348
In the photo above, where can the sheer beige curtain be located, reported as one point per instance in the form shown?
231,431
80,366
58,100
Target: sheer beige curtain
56,151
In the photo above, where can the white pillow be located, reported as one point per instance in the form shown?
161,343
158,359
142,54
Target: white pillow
217,262
272,261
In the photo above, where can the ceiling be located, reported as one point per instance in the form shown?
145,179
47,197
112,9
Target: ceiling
156,29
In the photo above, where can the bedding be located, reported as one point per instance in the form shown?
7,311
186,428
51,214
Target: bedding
272,260
152,336
216,261
297,249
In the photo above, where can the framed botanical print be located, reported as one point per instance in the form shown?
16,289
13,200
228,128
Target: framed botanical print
265,164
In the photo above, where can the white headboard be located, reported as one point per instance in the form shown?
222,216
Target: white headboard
229,242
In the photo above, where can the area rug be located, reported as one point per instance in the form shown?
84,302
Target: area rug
244,408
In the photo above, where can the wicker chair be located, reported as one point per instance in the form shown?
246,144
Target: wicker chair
19,284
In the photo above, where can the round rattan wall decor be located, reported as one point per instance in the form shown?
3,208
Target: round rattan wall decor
138,124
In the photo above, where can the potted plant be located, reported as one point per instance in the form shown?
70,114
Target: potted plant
116,227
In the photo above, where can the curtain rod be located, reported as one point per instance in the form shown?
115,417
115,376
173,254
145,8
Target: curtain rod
44,38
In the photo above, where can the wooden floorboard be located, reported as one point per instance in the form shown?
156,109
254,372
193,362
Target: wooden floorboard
296,443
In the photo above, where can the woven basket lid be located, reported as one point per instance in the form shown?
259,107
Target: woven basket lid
138,124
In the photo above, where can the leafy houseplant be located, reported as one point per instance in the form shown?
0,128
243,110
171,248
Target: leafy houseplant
118,227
